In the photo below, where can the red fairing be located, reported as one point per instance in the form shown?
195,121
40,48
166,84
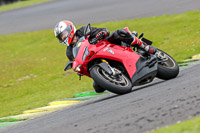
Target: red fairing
93,49
125,55
106,50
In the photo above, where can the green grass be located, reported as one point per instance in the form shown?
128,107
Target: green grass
21,4
189,126
31,64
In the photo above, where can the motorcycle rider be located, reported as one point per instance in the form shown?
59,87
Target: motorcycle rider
67,34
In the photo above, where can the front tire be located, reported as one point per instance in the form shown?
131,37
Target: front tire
98,88
119,84
168,69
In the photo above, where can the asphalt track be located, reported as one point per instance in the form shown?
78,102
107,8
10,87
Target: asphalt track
151,106
46,15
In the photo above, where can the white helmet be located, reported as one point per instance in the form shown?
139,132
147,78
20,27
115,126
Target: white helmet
64,31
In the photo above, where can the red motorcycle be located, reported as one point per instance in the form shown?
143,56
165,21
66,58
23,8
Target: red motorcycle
118,68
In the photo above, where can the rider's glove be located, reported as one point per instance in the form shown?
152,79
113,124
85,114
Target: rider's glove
94,38
101,35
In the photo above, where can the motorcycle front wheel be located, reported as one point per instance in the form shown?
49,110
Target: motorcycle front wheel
97,88
167,66
118,84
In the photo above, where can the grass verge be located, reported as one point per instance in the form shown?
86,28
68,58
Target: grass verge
188,126
21,4
31,70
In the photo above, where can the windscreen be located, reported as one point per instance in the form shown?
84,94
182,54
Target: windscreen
77,46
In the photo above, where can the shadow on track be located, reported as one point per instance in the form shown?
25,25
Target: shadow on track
110,96
148,85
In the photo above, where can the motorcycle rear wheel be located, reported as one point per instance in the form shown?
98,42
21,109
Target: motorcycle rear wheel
119,85
168,69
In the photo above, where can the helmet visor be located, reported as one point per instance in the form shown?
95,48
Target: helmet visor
64,36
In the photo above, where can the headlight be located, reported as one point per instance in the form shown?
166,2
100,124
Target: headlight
86,53
78,68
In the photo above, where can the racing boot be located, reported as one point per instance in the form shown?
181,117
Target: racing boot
148,48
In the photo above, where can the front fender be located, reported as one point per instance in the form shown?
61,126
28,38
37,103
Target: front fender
105,67
68,65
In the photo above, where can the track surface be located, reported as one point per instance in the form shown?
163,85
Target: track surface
45,16
155,105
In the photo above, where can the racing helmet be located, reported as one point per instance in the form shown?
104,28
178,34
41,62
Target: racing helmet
64,31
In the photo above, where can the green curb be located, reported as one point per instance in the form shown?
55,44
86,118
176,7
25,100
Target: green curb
9,120
26,116
6,124
188,64
77,98
48,108
89,93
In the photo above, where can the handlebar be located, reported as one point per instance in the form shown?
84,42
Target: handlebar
93,40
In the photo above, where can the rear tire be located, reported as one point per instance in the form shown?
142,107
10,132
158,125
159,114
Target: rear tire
118,85
168,69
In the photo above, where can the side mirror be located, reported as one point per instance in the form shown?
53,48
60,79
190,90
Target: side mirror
141,35
135,33
68,65
87,30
